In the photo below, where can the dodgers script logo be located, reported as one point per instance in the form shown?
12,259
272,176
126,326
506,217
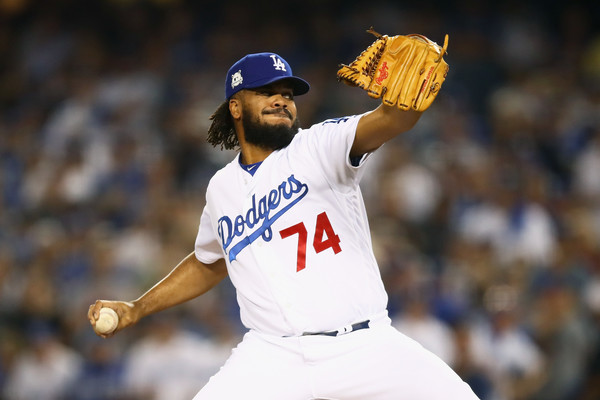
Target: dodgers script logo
262,214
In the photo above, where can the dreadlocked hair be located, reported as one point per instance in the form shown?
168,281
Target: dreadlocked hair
221,131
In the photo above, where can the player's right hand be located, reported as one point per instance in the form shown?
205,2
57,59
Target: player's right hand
127,312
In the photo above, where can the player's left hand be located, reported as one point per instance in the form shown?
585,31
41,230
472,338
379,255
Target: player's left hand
403,70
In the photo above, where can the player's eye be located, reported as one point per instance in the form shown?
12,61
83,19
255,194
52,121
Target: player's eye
269,93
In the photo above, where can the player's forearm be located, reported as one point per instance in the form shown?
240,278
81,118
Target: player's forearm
381,125
189,279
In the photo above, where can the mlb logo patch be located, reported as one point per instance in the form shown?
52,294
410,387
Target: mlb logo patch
236,79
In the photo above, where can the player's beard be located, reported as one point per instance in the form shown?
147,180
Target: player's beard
268,136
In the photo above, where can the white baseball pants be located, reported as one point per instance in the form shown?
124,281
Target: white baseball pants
378,363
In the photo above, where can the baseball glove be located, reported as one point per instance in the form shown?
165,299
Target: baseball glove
406,70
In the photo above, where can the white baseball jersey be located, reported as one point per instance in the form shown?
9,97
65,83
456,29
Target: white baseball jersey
295,235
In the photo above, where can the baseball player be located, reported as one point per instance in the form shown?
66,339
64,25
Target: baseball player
286,221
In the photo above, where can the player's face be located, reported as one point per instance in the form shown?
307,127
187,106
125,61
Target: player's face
273,103
269,116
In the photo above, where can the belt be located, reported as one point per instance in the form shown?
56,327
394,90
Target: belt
342,331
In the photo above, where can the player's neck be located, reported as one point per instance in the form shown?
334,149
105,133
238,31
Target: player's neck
252,154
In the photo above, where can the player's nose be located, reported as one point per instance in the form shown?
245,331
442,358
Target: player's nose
279,101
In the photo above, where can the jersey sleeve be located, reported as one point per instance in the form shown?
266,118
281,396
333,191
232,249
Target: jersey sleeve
329,144
207,248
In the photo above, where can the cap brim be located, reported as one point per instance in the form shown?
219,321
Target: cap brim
299,85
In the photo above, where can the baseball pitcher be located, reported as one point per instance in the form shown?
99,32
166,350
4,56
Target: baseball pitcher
285,220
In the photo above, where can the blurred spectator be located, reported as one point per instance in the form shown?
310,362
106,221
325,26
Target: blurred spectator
590,389
45,370
504,350
417,322
101,375
170,362
585,171
564,334
506,216
469,366
411,191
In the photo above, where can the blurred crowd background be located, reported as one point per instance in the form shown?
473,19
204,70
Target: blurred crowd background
485,218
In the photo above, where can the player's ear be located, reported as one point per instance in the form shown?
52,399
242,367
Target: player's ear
235,108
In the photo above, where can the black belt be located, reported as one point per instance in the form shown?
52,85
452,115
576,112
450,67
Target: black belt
347,329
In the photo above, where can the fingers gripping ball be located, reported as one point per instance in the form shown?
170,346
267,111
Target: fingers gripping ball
404,70
107,321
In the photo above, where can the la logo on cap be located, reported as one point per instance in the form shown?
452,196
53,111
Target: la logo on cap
277,63
236,79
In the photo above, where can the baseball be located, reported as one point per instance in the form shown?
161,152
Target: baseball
108,321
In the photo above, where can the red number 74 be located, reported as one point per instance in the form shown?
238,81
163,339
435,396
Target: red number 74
324,238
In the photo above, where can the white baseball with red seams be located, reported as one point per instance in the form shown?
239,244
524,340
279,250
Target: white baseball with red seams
107,322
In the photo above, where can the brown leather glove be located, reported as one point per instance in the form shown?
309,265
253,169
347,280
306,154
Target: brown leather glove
403,70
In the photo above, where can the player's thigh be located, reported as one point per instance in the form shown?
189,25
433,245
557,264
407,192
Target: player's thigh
390,366
258,370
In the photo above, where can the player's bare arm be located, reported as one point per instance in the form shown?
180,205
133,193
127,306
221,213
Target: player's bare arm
189,279
381,125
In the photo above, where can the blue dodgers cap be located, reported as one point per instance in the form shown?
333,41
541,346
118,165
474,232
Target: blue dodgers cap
260,69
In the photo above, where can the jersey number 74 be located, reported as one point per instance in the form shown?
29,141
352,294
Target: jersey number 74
324,238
